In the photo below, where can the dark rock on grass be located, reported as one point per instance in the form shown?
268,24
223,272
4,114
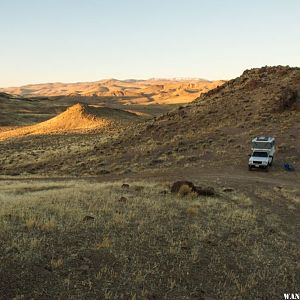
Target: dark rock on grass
187,187
176,186
48,268
164,192
156,162
125,186
228,190
88,218
123,199
278,188
207,191
192,158
103,172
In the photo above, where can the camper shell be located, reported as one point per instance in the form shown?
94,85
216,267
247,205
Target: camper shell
265,143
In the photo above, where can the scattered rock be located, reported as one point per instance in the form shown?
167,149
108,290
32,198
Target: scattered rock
125,186
103,172
163,192
192,158
185,246
88,218
207,191
123,199
228,190
272,231
278,188
48,268
156,162
85,259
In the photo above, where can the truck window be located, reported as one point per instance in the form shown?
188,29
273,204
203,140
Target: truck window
260,154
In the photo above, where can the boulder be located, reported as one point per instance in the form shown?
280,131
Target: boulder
185,187
123,199
88,218
176,186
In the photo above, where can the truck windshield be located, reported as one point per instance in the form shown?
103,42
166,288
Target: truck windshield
260,154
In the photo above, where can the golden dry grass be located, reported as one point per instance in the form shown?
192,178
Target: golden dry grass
77,240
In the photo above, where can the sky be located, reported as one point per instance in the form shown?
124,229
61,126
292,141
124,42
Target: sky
89,40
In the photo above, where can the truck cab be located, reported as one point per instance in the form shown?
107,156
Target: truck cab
263,150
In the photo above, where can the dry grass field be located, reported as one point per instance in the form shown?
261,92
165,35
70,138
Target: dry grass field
91,240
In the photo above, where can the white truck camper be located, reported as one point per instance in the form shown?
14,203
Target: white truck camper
263,150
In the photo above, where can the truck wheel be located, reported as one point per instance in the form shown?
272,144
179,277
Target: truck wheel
271,162
250,168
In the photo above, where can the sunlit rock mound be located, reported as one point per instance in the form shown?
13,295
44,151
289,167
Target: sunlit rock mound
79,117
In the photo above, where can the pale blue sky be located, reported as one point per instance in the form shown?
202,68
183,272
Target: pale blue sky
86,40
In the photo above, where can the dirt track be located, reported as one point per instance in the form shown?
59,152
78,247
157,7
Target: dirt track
240,179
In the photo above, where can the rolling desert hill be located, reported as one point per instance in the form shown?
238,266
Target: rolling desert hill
212,132
79,117
143,92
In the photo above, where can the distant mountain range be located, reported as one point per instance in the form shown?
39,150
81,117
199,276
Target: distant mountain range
131,91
